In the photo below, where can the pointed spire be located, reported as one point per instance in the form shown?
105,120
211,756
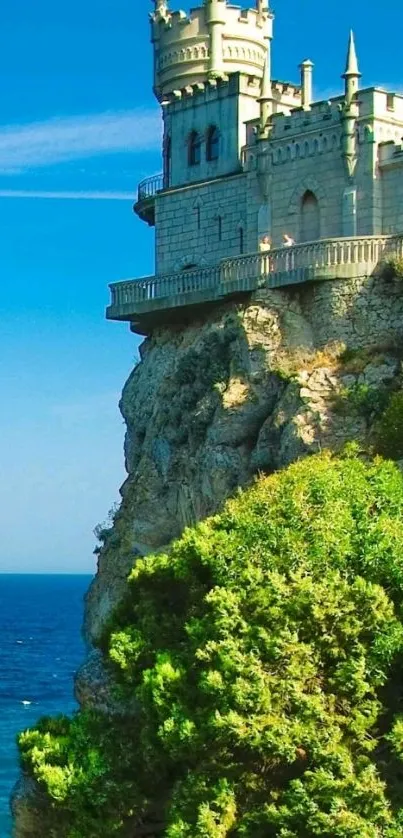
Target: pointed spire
266,95
352,61
265,87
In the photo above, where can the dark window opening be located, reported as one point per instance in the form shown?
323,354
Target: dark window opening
168,163
390,101
194,149
241,241
310,218
198,217
213,141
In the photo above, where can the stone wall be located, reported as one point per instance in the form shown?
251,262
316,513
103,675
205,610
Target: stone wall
392,197
188,230
227,106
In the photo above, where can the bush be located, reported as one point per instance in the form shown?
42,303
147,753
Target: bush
364,400
260,652
389,429
392,268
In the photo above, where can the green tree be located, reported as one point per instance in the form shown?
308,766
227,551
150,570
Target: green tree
262,653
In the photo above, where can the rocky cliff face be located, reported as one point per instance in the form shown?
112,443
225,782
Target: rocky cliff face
250,387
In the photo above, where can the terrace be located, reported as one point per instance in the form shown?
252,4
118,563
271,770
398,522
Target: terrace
166,298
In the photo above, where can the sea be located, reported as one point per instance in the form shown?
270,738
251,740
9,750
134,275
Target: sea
40,649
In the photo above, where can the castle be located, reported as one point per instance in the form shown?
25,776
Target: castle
247,159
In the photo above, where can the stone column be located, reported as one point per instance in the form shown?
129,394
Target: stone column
306,69
215,10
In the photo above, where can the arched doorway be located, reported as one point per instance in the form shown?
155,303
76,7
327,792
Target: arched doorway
310,218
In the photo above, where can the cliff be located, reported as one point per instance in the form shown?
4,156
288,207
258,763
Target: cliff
249,388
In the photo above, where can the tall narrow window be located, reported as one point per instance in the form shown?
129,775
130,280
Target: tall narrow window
241,240
198,217
212,145
194,149
310,218
168,162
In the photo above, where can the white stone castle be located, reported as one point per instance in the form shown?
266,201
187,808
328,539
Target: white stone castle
260,184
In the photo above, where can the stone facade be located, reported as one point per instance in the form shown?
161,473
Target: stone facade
202,224
280,162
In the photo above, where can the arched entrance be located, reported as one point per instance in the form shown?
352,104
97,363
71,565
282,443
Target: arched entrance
310,218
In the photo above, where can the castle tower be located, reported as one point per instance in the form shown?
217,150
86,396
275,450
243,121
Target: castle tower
211,76
214,40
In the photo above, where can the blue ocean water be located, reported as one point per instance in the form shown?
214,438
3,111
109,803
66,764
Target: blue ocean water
40,649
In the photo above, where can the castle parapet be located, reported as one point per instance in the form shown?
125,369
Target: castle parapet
183,45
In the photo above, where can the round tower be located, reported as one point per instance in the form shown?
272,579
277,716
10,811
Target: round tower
212,41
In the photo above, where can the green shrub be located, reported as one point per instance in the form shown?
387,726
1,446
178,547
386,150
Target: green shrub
389,429
260,652
392,268
363,399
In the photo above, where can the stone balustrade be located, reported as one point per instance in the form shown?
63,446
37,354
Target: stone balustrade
340,258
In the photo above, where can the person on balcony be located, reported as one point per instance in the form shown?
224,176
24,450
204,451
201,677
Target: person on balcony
265,244
288,241
265,262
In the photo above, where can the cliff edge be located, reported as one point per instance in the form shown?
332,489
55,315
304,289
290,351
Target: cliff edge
249,388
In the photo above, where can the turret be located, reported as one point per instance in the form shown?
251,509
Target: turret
213,41
266,98
215,14
306,69
351,74
350,108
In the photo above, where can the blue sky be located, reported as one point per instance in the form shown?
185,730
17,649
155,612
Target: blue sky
78,130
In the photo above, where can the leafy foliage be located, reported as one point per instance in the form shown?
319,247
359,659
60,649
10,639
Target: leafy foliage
389,429
393,268
365,400
197,381
260,652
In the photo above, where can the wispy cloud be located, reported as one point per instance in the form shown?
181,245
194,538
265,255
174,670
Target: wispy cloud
67,196
37,145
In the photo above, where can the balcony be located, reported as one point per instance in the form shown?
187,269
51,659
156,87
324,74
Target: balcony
151,300
145,204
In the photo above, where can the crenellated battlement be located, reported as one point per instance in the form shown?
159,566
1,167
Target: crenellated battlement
212,41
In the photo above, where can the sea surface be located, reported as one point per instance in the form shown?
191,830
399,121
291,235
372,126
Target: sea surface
40,649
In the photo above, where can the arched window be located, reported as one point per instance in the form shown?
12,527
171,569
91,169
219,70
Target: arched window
212,145
168,162
310,218
194,149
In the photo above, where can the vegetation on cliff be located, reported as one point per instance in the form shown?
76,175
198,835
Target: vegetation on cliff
264,653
